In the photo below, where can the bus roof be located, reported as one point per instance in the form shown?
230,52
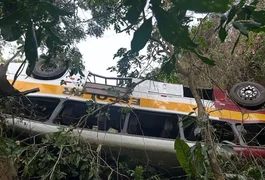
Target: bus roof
148,95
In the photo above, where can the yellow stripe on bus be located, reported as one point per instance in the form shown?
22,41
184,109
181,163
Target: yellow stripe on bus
147,103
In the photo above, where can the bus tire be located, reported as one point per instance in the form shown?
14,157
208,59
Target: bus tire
248,94
53,69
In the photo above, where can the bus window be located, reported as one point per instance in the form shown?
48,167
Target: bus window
253,134
72,113
76,113
153,124
110,119
36,108
222,132
206,94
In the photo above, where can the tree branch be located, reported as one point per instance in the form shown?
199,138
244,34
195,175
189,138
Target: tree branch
21,67
203,120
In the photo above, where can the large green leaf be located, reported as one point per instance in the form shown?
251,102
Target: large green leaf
31,46
248,25
254,3
245,13
53,10
172,30
222,34
49,42
251,25
55,37
258,16
141,36
203,58
183,154
241,28
39,35
197,159
223,19
231,14
11,33
168,66
136,7
236,43
188,120
261,29
10,19
204,6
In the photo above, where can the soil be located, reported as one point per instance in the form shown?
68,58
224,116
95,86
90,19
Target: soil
7,169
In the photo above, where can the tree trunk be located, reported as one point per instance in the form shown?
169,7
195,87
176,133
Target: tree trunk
209,143
6,88
217,170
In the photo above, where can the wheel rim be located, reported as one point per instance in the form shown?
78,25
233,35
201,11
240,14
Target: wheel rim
249,92
48,67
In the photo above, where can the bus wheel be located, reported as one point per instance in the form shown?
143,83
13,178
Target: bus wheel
248,94
53,69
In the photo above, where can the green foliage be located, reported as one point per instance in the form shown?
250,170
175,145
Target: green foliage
139,172
204,59
24,20
164,75
54,11
244,18
188,120
168,66
241,28
10,19
57,152
136,7
171,36
204,6
174,33
11,33
241,167
222,34
31,46
53,38
63,155
193,159
128,60
141,36
170,28
251,25
183,154
55,25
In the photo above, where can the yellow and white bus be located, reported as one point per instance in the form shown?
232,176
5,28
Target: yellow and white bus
144,123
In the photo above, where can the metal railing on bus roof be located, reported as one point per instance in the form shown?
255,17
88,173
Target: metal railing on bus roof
117,89
108,78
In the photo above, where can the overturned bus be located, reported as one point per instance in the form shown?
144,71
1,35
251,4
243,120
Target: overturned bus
142,122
